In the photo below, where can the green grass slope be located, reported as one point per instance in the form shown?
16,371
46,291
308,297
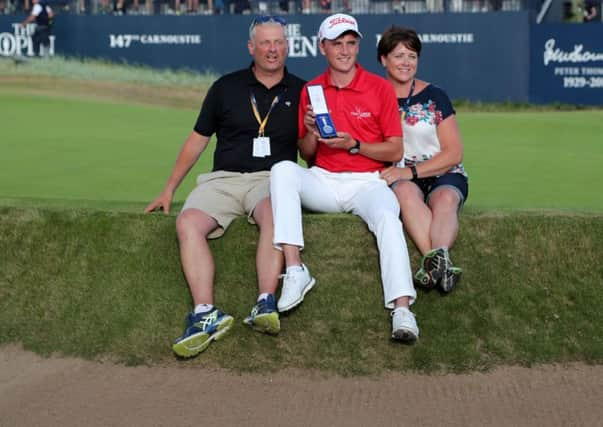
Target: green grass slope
85,145
106,285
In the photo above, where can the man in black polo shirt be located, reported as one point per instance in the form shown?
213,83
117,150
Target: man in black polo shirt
253,113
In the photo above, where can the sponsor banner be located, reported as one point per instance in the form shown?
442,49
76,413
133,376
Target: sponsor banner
567,64
461,53
16,40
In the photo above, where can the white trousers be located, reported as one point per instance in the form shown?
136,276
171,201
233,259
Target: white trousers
363,194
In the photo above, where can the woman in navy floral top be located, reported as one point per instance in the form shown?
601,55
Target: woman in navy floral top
430,181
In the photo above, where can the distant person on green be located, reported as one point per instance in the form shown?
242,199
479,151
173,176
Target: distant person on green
430,180
253,113
42,15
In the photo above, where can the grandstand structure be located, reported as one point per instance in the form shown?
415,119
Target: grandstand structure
210,7
540,10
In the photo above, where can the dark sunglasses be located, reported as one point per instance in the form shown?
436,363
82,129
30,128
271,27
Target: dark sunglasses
268,18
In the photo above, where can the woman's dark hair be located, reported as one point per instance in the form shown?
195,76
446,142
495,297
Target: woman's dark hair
396,35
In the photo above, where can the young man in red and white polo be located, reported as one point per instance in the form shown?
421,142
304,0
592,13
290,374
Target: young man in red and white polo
345,172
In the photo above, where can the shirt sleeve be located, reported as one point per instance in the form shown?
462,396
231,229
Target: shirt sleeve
442,102
207,121
37,9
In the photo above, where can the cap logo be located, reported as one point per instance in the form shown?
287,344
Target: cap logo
340,20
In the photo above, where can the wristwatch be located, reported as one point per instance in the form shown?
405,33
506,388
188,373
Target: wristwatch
413,169
355,149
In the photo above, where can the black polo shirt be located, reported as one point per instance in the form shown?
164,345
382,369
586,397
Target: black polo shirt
227,112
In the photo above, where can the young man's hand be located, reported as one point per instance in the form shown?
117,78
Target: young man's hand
343,141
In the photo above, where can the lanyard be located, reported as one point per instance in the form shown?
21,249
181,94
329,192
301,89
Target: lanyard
407,103
256,112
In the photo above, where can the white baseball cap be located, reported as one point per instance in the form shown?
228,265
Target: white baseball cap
335,25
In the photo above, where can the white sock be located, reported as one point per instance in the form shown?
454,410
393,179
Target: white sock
262,296
294,268
203,308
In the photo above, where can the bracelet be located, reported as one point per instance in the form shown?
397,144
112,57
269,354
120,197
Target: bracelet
413,169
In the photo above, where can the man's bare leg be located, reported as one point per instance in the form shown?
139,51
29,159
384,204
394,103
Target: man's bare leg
193,226
269,260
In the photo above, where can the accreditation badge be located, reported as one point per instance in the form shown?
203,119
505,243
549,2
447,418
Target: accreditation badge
261,146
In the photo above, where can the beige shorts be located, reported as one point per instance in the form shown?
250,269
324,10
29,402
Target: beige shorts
227,195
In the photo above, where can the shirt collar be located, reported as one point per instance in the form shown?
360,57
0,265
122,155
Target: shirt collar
354,84
252,81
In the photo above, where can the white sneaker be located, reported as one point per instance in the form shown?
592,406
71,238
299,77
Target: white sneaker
295,286
404,325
